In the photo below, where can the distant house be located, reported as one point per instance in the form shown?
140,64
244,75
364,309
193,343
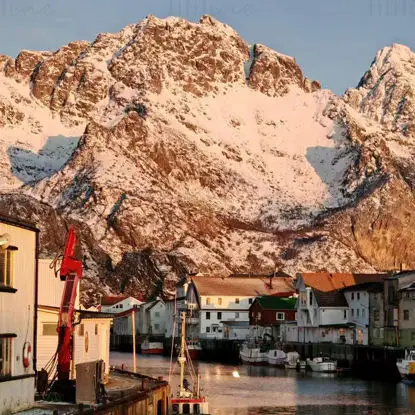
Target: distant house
18,280
218,305
330,307
152,317
399,306
118,304
92,331
271,312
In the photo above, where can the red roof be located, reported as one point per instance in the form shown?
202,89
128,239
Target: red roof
325,282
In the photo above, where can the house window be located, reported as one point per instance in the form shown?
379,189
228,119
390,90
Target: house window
280,316
208,301
250,300
219,315
357,312
6,267
207,329
49,329
207,315
406,314
311,297
5,356
219,301
237,300
345,314
237,315
412,335
352,296
81,330
363,312
352,312
96,329
121,306
358,296
156,326
157,314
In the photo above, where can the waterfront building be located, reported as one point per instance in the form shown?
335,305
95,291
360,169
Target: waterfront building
399,305
152,318
91,335
118,304
19,242
219,307
271,312
329,307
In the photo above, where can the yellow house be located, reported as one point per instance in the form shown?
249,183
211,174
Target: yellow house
18,284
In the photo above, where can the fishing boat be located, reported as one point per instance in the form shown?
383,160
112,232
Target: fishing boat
253,355
292,359
194,347
406,366
187,401
276,357
322,364
148,347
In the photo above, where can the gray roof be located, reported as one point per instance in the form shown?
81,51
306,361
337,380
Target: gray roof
406,280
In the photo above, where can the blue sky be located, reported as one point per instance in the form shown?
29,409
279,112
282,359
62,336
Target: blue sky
334,41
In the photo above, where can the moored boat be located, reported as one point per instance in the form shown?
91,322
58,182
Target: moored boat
322,364
187,401
253,355
291,360
276,357
148,347
406,366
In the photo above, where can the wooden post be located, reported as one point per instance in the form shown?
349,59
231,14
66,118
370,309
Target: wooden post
134,350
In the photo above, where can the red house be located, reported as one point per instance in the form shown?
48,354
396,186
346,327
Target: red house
270,311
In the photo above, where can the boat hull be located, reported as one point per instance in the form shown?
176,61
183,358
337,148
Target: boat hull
152,351
322,367
253,357
181,406
152,348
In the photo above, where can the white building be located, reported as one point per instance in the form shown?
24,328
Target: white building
91,335
152,318
219,307
18,281
118,304
329,307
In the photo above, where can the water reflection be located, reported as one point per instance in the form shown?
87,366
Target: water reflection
268,390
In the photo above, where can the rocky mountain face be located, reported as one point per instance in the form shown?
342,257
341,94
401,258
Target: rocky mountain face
176,147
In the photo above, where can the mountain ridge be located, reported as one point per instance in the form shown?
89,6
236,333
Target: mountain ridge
176,147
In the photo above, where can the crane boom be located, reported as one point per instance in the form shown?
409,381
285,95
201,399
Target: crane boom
71,273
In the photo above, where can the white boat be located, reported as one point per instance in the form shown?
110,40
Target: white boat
276,357
148,347
253,355
291,360
187,400
406,366
322,364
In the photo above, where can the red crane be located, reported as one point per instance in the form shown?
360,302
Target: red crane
70,272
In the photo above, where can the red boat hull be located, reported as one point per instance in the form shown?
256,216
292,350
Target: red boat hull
152,351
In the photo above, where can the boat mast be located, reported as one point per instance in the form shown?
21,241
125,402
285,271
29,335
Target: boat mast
182,357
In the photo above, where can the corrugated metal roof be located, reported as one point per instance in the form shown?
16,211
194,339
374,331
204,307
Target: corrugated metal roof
244,287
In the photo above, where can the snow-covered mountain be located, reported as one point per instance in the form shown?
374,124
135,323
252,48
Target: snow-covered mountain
175,147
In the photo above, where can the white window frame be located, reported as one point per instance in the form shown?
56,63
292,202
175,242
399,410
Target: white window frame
280,314
7,260
6,368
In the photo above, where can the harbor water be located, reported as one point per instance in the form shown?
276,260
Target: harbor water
266,390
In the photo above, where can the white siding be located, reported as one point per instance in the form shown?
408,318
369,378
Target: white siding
17,316
121,306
